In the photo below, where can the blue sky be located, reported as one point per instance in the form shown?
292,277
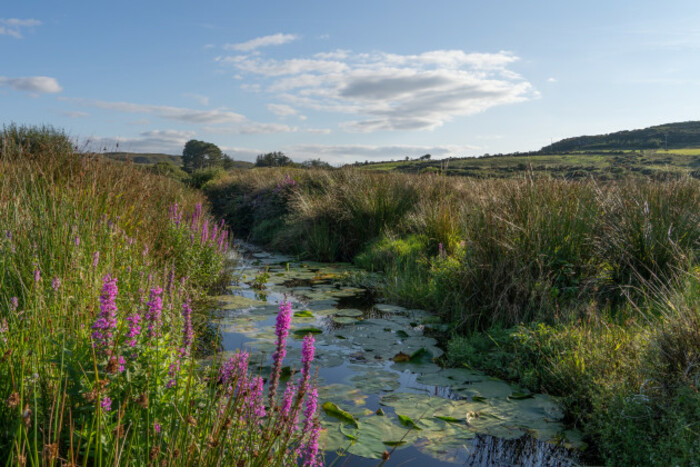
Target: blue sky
346,81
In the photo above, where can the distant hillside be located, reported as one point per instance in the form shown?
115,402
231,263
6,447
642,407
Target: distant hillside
669,135
154,158
144,158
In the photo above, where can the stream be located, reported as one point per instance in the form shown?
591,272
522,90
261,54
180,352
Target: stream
376,361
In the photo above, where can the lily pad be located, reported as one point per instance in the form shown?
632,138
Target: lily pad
303,314
333,410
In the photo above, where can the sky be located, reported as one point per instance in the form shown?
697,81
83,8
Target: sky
347,81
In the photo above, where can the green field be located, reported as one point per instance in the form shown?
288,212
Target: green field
599,165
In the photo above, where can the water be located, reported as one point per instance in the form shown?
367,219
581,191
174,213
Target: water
373,356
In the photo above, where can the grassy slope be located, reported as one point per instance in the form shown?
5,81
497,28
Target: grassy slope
600,165
124,388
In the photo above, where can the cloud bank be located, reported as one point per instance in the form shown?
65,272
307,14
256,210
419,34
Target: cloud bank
387,92
34,85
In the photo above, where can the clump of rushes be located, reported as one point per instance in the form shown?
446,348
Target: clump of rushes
86,361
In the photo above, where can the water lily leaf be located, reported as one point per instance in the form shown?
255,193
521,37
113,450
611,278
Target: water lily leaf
420,354
394,443
344,320
517,396
301,332
349,313
333,410
449,419
479,399
408,422
401,357
303,314
402,334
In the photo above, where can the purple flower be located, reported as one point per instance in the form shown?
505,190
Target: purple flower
145,251
95,259
312,427
77,241
122,362
56,284
255,397
156,425
106,404
235,369
107,321
287,399
187,332
284,319
205,232
173,371
134,329
37,275
14,303
152,317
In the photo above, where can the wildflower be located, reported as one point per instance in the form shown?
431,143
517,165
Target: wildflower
77,241
122,362
14,303
187,332
156,425
106,323
205,232
307,356
255,397
311,449
95,259
287,400
155,306
56,284
235,369
173,371
106,404
134,329
284,319
145,251
37,275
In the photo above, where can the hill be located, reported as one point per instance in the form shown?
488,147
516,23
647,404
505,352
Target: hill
666,136
155,158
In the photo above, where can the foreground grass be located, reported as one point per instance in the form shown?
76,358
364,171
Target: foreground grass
100,267
586,290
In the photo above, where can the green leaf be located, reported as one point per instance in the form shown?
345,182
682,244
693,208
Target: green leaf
301,332
517,396
334,411
449,419
408,422
479,399
394,443
420,354
303,314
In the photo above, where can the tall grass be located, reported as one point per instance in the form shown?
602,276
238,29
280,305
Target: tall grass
586,290
100,266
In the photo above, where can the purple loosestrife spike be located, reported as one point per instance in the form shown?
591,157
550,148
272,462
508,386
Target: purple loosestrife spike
187,331
284,319
95,259
287,400
205,232
234,369
107,321
134,329
77,241
173,371
311,457
14,303
255,397
37,275
56,284
106,404
156,427
145,251
122,362
153,312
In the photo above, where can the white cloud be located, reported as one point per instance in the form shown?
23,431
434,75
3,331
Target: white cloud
265,41
390,91
13,26
250,128
319,131
162,141
281,110
551,80
199,98
34,85
215,116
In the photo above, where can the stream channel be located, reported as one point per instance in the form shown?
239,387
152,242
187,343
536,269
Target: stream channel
374,356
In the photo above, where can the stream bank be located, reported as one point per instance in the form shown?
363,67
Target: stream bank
376,362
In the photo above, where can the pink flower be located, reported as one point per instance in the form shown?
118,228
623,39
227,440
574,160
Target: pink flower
106,404
107,321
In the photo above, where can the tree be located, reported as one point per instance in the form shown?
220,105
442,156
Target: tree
273,159
200,154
